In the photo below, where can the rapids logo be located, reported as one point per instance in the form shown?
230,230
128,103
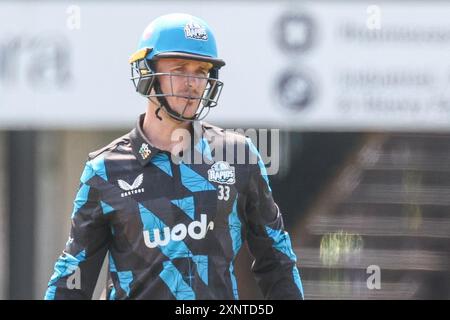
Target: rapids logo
221,172
195,31
178,232
133,188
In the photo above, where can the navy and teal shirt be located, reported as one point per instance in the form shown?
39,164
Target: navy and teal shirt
172,227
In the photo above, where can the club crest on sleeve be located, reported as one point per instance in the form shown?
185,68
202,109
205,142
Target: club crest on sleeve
222,172
144,151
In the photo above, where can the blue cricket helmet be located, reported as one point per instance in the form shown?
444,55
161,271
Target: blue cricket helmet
181,36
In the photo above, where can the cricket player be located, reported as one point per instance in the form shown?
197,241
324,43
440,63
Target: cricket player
172,226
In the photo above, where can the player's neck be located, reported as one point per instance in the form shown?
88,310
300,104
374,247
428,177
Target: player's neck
160,132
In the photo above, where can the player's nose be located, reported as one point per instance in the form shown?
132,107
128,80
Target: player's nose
193,81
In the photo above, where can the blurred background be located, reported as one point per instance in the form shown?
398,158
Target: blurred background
359,91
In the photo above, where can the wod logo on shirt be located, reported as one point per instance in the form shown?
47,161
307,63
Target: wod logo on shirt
221,172
178,233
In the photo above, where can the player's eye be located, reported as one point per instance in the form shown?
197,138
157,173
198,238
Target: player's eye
201,72
177,70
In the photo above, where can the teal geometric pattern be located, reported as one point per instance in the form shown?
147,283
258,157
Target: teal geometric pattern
174,280
282,242
193,181
203,148
65,266
161,160
261,165
234,225
106,208
81,198
187,205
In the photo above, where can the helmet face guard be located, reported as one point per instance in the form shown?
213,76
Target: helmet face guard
148,83
180,36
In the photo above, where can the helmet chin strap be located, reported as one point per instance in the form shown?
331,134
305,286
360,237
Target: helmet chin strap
156,113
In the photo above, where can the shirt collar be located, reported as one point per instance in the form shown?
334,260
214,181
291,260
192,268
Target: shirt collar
144,151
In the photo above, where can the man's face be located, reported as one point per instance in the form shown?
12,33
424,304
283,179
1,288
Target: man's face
188,79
